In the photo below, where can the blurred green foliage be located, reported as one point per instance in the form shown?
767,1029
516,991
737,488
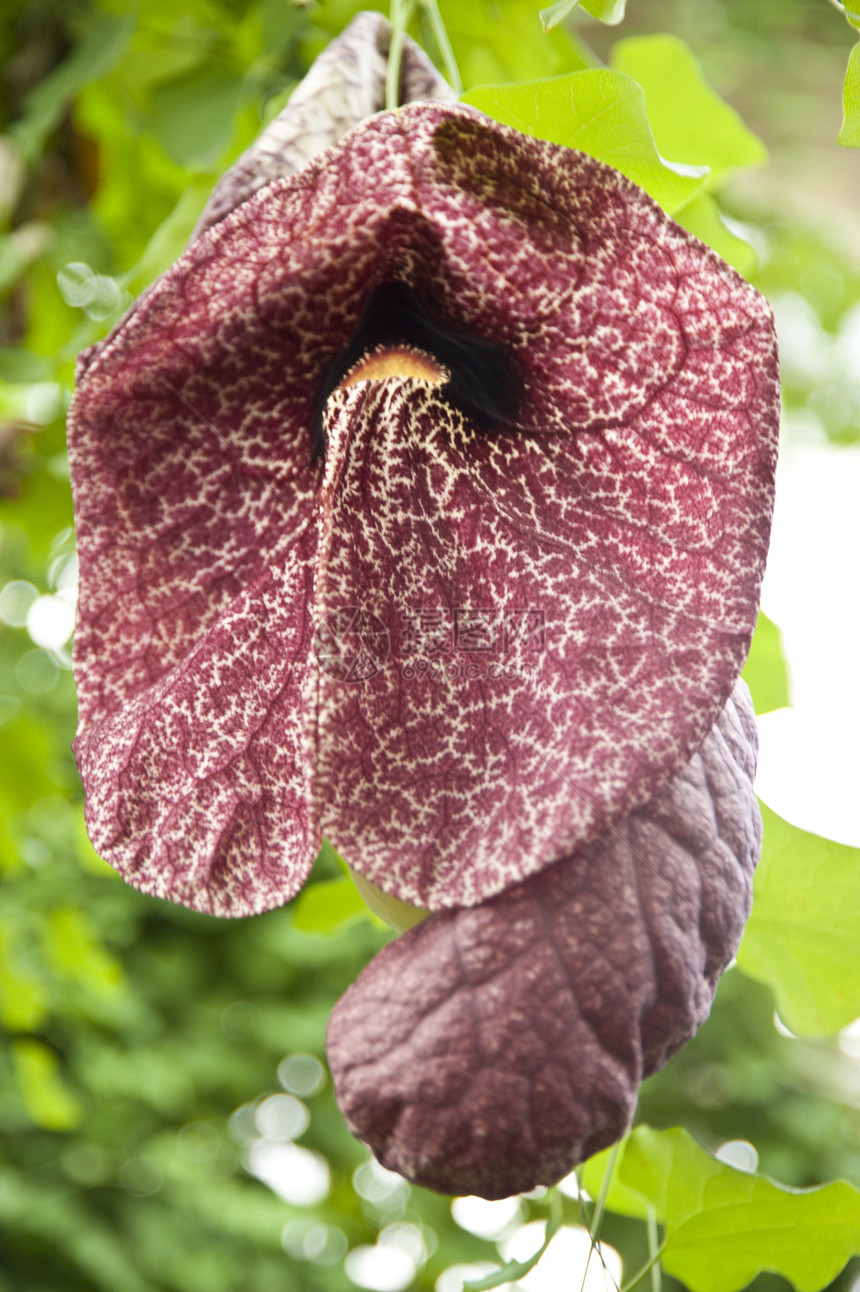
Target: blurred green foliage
141,1039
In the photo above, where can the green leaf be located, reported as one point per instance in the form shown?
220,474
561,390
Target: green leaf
619,1197
192,115
756,1226
608,11
328,906
723,1227
853,15
804,931
703,218
849,135
765,672
691,123
557,13
600,112
493,46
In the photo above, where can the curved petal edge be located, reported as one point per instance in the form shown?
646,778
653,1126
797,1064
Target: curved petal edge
490,1050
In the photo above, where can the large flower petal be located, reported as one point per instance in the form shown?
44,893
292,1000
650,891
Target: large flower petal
490,1050
184,486
631,503
565,615
197,788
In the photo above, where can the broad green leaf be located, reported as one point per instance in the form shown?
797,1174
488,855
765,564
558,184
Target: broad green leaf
600,112
327,906
45,1097
703,218
620,1198
849,135
192,115
608,11
804,931
557,13
756,1226
385,907
764,672
493,45
691,123
674,1173
723,1227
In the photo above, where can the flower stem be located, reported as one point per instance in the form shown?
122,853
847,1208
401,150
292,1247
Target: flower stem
640,1274
600,1206
401,16
654,1251
431,8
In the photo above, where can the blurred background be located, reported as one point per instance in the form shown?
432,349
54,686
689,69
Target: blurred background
166,1115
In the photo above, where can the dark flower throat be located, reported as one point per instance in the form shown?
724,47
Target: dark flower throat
482,386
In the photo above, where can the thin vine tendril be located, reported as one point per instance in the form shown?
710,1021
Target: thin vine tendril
431,8
402,12
654,1250
600,1208
649,1265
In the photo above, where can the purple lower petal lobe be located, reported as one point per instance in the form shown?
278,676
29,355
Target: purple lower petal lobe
490,1050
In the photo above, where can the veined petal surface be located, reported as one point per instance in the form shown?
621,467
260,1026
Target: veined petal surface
629,504
197,788
492,1049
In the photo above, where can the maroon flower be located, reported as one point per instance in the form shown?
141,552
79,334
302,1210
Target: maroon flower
424,504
